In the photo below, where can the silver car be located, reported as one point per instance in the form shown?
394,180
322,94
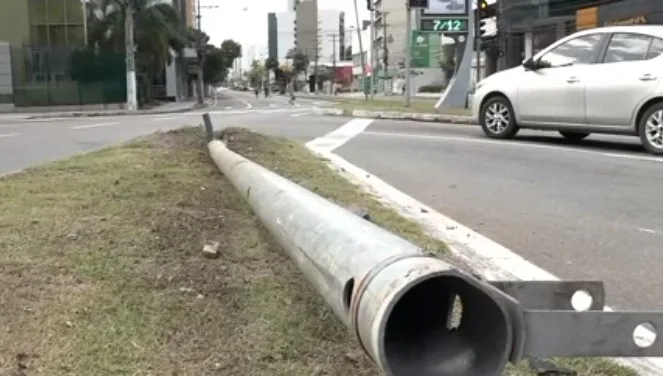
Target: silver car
603,80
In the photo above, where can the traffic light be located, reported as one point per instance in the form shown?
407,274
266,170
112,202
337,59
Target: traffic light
369,4
487,10
483,6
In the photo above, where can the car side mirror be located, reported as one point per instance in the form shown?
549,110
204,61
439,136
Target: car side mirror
531,64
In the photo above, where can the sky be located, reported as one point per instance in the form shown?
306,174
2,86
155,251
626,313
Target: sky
249,27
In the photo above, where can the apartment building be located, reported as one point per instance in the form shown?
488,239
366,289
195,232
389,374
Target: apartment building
281,34
307,28
42,22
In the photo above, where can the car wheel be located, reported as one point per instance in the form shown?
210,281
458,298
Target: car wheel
650,129
497,118
574,136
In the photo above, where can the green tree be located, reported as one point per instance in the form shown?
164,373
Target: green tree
215,68
157,30
256,73
300,62
272,64
231,50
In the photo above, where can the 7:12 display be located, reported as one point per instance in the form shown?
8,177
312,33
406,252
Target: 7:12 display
445,25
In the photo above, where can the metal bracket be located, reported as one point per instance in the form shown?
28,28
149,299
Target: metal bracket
552,295
592,333
553,328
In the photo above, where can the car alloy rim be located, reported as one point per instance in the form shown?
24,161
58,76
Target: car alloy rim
497,117
654,129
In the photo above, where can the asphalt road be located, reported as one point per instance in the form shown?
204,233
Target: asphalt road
25,142
588,210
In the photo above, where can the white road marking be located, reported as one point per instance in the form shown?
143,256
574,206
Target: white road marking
97,125
340,136
272,105
248,105
523,144
483,255
7,135
647,230
228,107
301,114
165,118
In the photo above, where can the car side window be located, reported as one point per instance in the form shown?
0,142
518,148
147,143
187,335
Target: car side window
580,50
655,48
625,47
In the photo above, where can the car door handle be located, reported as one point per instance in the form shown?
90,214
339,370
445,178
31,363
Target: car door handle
647,77
572,80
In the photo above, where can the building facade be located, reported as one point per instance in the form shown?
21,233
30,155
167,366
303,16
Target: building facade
42,22
307,28
280,34
527,26
330,34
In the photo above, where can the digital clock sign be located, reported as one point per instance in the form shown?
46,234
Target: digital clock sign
445,25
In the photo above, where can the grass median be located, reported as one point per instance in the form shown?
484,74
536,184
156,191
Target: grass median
418,105
102,271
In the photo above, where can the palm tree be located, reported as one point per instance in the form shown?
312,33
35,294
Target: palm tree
157,30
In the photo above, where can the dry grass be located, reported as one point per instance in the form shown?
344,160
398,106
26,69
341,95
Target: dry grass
418,105
102,272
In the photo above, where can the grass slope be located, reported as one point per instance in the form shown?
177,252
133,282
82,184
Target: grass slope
101,270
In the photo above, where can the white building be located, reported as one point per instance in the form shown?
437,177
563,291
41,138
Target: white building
329,21
285,34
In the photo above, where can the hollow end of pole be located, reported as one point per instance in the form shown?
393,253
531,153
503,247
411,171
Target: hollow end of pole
437,323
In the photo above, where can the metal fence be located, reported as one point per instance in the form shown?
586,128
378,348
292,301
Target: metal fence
57,76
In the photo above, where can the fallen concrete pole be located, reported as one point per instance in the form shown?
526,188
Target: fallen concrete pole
399,300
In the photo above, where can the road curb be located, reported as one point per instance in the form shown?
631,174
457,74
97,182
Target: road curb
396,115
86,114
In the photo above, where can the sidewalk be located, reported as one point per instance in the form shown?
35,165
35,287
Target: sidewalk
166,108
399,115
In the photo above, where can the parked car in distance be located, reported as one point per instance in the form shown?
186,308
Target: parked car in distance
604,80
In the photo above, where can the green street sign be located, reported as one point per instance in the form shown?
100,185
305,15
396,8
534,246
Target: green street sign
445,25
420,53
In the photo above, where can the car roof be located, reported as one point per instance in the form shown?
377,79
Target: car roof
653,30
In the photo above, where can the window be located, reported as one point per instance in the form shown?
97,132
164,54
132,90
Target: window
627,47
75,35
74,9
581,50
37,9
39,35
655,49
57,35
56,11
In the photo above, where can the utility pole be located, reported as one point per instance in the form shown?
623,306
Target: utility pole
361,47
385,47
130,51
408,54
315,64
371,47
477,42
85,31
200,51
333,75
